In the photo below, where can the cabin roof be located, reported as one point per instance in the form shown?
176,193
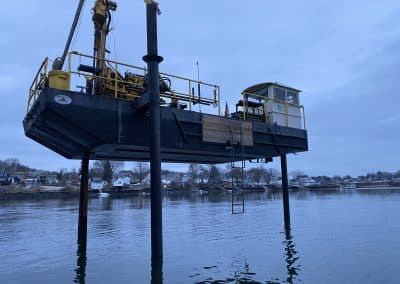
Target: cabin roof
260,86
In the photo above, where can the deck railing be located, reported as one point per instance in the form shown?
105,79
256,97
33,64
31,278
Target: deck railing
38,83
186,94
267,99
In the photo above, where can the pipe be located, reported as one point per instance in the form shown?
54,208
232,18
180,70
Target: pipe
153,89
285,191
83,199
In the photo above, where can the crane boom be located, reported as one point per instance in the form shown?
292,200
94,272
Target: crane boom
59,61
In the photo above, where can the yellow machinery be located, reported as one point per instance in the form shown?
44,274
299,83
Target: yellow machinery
59,80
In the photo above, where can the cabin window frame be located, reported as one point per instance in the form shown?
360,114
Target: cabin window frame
294,95
277,96
284,97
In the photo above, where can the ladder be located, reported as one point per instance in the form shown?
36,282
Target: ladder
237,194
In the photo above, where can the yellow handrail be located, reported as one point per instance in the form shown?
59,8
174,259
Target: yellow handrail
37,83
266,99
189,96
41,78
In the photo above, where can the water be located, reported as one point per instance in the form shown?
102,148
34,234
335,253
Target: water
334,238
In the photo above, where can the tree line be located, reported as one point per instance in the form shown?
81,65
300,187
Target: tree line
198,174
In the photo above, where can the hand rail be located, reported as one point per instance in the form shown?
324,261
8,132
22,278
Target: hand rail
266,99
37,83
185,96
41,78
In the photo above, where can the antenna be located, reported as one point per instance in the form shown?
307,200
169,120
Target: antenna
198,70
198,83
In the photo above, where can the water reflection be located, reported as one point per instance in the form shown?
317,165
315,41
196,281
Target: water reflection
240,269
290,251
242,272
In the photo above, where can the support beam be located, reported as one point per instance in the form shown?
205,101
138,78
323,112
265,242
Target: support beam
153,92
285,190
81,261
83,199
156,271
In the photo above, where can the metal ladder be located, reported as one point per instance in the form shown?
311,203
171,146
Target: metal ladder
237,196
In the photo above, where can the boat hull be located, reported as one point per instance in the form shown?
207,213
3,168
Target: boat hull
110,128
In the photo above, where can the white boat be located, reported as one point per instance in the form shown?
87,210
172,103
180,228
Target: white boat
103,194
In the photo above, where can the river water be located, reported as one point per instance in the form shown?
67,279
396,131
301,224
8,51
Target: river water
351,237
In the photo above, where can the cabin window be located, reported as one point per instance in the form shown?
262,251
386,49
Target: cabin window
262,92
279,94
292,97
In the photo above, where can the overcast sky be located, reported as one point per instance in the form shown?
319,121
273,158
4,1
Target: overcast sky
344,55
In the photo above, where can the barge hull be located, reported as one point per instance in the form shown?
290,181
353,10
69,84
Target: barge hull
73,123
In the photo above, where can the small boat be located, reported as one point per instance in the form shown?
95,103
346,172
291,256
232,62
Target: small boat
349,186
324,187
145,191
265,188
103,194
197,191
275,185
294,186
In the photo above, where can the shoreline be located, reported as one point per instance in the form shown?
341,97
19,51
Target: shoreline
51,192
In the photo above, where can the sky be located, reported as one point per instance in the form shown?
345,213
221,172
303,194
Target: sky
344,55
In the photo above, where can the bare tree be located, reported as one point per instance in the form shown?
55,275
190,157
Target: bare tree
203,173
271,174
106,169
214,176
194,170
11,165
257,175
61,175
140,171
234,174
116,166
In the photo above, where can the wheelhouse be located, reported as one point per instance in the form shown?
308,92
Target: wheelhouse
273,103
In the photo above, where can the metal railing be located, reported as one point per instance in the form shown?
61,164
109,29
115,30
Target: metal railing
267,99
184,95
38,83
187,95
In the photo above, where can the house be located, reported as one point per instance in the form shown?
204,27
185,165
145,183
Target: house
4,179
121,182
21,175
29,182
305,180
96,185
169,177
52,178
